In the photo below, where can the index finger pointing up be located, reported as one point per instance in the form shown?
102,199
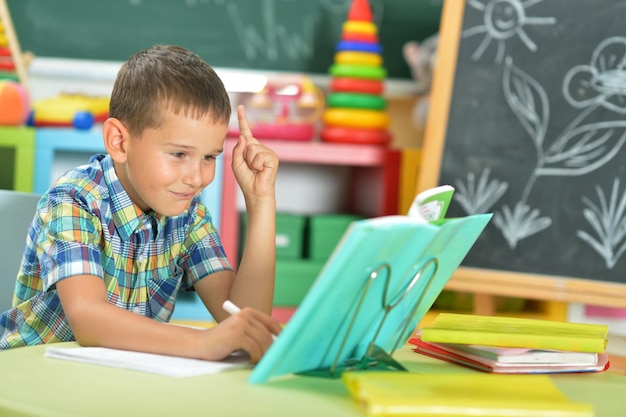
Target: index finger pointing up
244,126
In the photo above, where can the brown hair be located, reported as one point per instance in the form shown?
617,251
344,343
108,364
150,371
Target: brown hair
166,77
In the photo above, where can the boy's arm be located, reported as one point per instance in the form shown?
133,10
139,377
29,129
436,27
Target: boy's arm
255,167
95,322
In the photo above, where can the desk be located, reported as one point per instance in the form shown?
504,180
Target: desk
36,386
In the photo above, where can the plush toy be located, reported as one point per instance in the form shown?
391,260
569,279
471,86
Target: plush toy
421,59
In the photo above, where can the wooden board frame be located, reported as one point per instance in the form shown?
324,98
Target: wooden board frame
489,281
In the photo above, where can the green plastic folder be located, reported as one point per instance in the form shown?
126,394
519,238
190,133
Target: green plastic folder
379,282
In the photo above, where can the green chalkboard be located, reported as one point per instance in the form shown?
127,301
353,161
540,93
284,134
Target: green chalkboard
527,122
280,35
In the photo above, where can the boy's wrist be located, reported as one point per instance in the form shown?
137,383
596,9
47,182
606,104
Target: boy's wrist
268,201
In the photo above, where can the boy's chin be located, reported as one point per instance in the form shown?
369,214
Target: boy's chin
173,211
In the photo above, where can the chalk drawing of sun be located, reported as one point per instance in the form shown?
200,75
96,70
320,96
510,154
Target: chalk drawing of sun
502,20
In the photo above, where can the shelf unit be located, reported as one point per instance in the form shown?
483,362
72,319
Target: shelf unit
17,149
375,173
50,141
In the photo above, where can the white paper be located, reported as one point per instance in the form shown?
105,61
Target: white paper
148,362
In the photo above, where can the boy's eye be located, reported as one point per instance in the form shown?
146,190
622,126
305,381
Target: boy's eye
177,154
209,157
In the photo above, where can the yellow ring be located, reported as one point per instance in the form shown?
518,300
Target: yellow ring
359,27
367,119
358,58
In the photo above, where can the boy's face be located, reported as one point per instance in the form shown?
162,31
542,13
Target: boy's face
167,167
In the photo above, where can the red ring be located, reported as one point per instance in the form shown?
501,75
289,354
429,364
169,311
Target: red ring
357,85
359,37
338,134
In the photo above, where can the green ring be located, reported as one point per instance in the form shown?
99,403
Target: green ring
358,71
356,100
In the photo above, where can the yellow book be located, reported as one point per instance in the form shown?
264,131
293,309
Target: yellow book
472,329
387,394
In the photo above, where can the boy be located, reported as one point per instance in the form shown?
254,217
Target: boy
113,241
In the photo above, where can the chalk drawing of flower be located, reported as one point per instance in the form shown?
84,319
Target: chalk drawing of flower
520,222
503,20
578,150
608,221
603,81
478,197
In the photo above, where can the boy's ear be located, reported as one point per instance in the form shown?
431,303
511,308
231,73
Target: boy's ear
115,137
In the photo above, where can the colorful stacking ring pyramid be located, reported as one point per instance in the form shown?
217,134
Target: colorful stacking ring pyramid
356,109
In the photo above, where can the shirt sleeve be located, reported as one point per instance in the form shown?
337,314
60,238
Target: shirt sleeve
204,253
70,239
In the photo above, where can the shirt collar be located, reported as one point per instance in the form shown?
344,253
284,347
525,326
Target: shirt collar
127,216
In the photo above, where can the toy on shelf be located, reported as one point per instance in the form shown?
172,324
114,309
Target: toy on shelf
12,65
286,108
356,110
69,110
14,104
421,58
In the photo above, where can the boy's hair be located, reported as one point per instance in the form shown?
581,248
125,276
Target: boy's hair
166,77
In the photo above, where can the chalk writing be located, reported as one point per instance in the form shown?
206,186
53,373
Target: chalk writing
269,37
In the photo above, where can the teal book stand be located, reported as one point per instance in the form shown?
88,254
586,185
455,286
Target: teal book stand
381,279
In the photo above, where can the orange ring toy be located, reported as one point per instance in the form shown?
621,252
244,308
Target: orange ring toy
359,37
357,85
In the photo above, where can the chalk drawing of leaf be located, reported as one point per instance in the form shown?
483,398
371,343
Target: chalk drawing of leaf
519,223
528,101
608,221
479,197
584,149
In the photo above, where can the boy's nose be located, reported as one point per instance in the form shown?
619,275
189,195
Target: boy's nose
193,176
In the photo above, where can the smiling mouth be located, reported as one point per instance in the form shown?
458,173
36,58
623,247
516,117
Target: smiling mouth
185,196
504,24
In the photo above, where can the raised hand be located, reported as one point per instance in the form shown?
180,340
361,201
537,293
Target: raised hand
255,165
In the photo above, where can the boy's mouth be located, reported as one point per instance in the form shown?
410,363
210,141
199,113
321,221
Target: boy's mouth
185,196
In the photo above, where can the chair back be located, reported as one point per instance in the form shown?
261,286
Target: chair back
17,210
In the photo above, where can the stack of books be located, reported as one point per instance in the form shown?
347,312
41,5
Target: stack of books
509,345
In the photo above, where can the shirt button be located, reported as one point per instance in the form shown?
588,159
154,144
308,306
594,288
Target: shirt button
136,310
141,258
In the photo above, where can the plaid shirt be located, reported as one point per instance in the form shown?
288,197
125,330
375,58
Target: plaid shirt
86,224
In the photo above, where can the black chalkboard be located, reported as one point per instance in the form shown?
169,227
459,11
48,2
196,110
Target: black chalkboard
531,125
282,35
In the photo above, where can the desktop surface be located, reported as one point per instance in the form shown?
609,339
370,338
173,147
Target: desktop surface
32,385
